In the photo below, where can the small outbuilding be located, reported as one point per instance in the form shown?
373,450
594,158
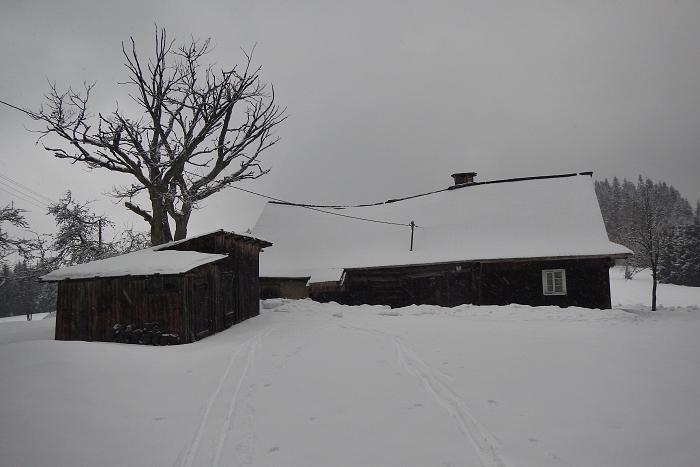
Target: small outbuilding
186,290
534,241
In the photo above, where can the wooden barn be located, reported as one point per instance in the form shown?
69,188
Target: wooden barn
533,241
183,291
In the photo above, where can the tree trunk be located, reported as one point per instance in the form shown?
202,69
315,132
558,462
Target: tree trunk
160,228
653,288
181,225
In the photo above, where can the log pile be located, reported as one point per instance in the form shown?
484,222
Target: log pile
149,334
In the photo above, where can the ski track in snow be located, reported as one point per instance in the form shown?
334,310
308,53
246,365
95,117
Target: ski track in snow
487,448
253,347
190,452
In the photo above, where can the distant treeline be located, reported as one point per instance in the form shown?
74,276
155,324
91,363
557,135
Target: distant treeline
81,236
657,224
21,293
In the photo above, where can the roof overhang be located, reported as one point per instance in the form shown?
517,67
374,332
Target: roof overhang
337,275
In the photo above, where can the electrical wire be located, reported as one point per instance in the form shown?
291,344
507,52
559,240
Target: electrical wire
315,207
353,217
25,200
332,206
32,199
312,207
26,188
24,193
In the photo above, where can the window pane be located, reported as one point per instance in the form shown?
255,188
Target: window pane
554,282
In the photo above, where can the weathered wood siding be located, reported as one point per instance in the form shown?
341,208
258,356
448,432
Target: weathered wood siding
237,286
235,289
201,302
587,283
273,287
88,309
488,283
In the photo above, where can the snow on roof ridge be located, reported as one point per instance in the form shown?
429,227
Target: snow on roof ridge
229,232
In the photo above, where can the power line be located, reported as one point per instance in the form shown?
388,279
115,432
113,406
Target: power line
18,193
352,217
16,108
306,206
25,200
25,188
334,206
316,208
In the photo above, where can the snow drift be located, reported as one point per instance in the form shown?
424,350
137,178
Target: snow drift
322,384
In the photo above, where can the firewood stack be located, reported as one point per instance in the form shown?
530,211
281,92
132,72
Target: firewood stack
150,334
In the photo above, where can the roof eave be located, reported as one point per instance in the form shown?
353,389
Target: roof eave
500,260
458,262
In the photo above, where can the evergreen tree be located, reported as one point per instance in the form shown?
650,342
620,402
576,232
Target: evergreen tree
681,262
657,224
81,237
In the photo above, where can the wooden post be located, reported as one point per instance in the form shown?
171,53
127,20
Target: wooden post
413,227
478,275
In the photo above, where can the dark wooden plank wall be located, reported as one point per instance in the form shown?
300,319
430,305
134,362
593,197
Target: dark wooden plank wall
198,308
219,243
88,309
236,289
232,292
491,283
587,283
276,287
208,299
241,293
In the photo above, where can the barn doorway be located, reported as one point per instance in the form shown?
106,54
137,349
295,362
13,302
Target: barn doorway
202,310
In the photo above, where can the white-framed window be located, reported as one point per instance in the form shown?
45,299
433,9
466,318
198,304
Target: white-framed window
554,282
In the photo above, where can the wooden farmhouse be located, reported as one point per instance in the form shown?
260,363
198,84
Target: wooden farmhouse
190,288
533,241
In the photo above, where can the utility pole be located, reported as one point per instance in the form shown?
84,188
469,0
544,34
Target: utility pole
413,227
99,227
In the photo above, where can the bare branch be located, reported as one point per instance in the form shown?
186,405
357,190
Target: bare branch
146,215
193,116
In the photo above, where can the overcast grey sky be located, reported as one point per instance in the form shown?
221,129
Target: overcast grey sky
385,98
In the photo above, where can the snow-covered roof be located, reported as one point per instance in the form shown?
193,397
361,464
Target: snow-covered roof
539,217
254,238
159,259
154,260
139,263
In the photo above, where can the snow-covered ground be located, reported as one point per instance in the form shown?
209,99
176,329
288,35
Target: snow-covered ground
309,384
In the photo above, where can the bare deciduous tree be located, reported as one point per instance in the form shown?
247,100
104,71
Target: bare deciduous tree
79,238
196,123
651,230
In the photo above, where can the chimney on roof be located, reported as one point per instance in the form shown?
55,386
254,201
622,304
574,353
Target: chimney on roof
464,177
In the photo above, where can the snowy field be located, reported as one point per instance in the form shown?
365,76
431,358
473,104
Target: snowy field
309,384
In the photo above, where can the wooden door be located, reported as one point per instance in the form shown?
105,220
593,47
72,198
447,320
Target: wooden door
201,310
230,300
